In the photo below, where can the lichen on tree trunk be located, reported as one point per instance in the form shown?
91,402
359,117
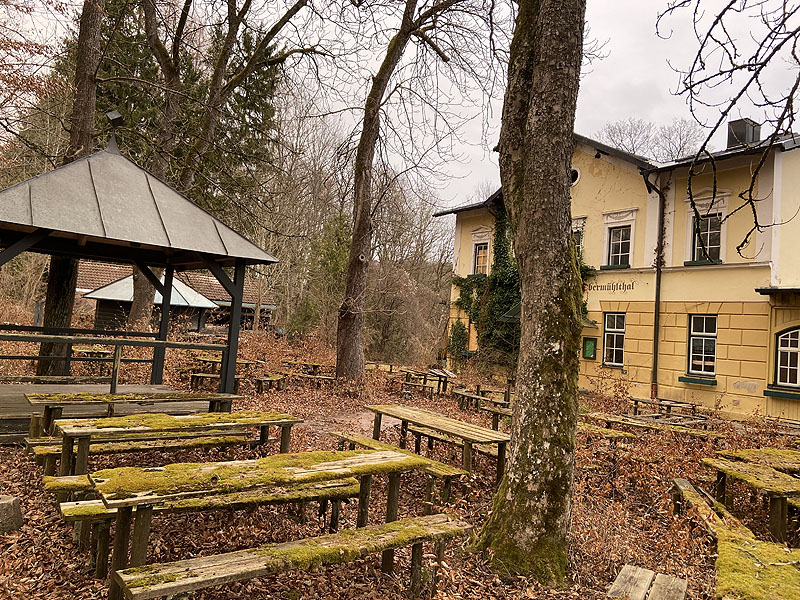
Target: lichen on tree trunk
527,529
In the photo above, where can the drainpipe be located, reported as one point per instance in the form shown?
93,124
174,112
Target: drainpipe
658,264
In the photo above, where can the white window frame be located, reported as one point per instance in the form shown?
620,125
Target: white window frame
792,335
703,201
702,335
697,250
475,257
619,218
579,226
616,332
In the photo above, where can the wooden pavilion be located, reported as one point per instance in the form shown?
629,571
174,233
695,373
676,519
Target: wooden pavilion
106,207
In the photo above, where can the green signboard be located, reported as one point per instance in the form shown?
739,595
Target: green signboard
590,348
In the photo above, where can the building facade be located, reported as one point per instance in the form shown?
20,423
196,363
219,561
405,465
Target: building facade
717,320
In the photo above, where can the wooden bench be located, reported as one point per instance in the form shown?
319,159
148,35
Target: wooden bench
169,579
436,470
420,432
197,379
269,382
317,379
53,379
49,454
425,388
635,583
95,518
67,483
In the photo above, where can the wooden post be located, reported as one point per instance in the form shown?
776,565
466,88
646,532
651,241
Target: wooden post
466,457
376,426
416,570
286,432
119,559
68,360
66,455
141,533
403,433
263,437
418,443
336,506
35,426
392,498
501,461
719,489
228,375
778,517
496,421
437,569
82,456
115,367
428,506
365,482
101,564
157,371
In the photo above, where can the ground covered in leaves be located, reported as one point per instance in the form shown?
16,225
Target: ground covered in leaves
621,513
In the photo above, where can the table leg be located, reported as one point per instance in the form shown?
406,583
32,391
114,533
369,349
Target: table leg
501,461
719,488
82,457
403,433
66,455
778,517
392,498
437,568
263,437
141,533
35,426
418,443
103,536
286,432
336,506
376,426
115,368
416,570
466,457
119,559
495,421
428,506
365,482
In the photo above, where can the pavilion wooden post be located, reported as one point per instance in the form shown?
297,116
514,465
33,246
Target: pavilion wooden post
227,378
157,372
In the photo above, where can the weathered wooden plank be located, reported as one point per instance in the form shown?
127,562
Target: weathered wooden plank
157,580
122,447
438,422
131,486
758,476
636,422
787,461
631,583
94,399
667,587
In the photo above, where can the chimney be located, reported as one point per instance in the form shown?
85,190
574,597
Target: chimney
743,132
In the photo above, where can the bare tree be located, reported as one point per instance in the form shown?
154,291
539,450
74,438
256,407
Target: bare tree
678,139
746,60
528,525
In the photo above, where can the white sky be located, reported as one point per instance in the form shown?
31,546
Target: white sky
634,80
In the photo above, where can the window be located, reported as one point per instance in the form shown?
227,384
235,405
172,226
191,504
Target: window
614,339
789,358
619,246
480,265
707,233
702,344
577,237
574,176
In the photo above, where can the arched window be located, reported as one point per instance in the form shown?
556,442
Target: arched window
788,358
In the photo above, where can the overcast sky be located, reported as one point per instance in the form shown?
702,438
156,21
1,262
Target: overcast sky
634,80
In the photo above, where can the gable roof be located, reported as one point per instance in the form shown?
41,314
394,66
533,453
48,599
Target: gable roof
107,206
122,291
93,274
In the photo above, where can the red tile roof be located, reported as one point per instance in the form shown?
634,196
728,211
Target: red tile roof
92,275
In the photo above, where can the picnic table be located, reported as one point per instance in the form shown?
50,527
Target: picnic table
467,433
80,431
772,473
52,405
143,488
214,362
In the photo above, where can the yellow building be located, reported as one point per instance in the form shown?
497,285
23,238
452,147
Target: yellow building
718,320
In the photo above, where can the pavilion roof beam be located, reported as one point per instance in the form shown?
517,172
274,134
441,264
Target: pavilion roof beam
151,277
21,245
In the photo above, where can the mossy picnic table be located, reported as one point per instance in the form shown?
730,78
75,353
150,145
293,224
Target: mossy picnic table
80,431
467,433
52,405
763,477
128,487
214,362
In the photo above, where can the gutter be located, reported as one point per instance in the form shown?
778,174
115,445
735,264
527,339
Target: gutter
658,266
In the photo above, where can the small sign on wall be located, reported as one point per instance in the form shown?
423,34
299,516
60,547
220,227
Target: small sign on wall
590,348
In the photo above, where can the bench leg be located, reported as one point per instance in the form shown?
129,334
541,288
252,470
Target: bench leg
35,426
466,457
418,443
336,506
84,535
501,461
101,550
416,570
119,559
437,569
376,427
365,482
720,493
141,534
778,518
259,386
82,457
286,433
428,506
263,437
392,497
403,433
49,465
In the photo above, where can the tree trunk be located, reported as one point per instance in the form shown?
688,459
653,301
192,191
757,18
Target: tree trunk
63,273
144,294
349,344
527,529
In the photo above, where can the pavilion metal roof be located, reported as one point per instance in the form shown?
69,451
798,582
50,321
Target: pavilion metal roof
122,291
107,206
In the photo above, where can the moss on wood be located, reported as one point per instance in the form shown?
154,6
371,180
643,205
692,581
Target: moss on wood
164,421
759,476
69,483
787,461
94,397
